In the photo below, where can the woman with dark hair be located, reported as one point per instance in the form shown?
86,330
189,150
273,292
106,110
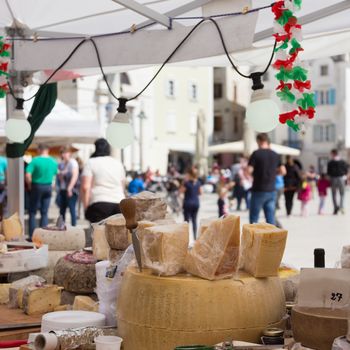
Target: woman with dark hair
103,183
291,183
192,190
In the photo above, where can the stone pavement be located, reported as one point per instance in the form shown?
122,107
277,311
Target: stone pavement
328,231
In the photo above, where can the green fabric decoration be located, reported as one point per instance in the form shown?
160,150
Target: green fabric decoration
307,101
299,73
295,46
284,74
43,104
283,46
286,95
298,3
292,125
286,14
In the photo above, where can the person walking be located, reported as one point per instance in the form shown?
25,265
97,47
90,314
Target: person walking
322,186
192,190
68,184
39,175
291,183
264,164
103,183
337,170
304,194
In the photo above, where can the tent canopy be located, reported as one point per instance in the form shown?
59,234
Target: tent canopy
326,31
238,147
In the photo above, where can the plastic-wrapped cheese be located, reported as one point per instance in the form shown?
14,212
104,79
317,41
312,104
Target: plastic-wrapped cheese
40,300
100,246
215,254
73,238
183,309
165,248
4,293
262,249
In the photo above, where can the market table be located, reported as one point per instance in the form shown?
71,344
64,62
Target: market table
15,324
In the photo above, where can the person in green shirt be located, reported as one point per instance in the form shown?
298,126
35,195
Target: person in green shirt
40,174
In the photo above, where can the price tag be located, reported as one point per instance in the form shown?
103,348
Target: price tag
324,288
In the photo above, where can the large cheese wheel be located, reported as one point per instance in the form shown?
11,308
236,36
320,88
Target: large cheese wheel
76,273
317,328
73,238
160,313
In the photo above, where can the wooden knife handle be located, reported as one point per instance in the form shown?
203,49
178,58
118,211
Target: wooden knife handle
128,209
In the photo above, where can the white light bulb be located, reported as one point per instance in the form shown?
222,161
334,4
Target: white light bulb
17,127
119,132
262,113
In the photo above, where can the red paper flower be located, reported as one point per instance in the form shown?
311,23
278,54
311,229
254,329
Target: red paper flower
4,66
288,116
282,37
283,85
310,112
277,8
302,85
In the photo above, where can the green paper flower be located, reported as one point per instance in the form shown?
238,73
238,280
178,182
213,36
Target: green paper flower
2,93
299,73
292,125
4,54
295,45
284,74
284,46
286,14
298,3
4,73
307,101
286,95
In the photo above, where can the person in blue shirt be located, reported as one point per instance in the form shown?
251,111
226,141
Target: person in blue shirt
3,167
137,184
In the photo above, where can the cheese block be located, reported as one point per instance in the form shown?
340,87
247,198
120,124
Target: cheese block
150,206
183,309
73,238
215,254
76,273
262,249
165,248
117,234
12,228
115,255
85,303
100,246
62,307
4,293
40,300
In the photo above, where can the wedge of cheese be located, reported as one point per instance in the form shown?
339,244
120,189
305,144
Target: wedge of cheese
40,300
215,254
13,228
165,248
4,293
262,249
85,303
100,246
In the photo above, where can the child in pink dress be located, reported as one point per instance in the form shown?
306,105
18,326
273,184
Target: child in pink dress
304,195
322,185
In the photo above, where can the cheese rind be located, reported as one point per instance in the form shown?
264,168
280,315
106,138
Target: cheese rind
13,228
40,300
262,249
4,293
85,303
100,246
116,232
165,248
215,254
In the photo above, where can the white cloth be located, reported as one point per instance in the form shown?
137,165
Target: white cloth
108,175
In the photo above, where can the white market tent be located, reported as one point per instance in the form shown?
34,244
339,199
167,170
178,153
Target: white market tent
238,147
248,37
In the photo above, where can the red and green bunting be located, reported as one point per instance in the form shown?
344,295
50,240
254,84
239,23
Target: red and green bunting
4,65
294,86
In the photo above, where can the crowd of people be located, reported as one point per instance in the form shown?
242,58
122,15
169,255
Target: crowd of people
261,182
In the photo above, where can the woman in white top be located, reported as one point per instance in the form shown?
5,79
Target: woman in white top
103,183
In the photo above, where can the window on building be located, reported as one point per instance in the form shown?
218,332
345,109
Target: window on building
329,133
318,133
193,91
325,97
217,90
193,123
218,123
170,88
171,123
324,70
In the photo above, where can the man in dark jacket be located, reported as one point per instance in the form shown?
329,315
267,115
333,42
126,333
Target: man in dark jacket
337,170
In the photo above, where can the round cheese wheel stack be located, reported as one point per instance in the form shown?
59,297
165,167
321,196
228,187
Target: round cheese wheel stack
76,273
160,313
73,238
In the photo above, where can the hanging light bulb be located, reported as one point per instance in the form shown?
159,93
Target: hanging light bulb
17,127
262,112
119,132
